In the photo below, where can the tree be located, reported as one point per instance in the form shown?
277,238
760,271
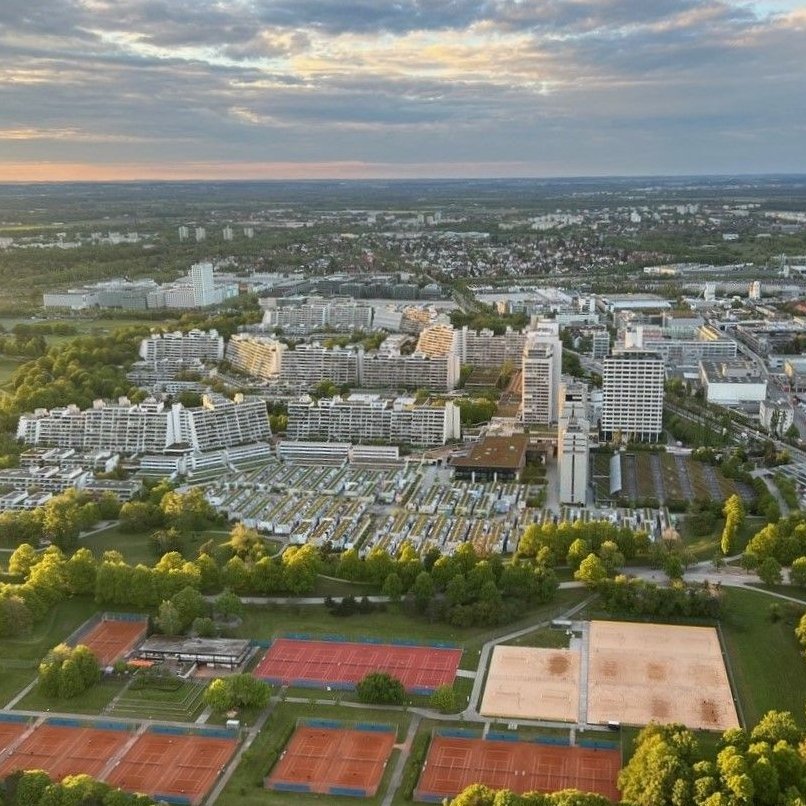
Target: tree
245,543
591,571
392,587
228,605
423,591
734,518
80,572
444,699
797,573
611,557
22,560
190,605
577,552
169,621
769,571
380,688
237,691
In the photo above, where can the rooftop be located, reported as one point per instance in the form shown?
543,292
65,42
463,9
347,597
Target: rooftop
500,453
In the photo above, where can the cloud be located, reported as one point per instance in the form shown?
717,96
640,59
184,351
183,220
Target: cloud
570,85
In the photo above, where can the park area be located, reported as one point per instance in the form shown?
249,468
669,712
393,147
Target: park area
333,758
456,761
343,664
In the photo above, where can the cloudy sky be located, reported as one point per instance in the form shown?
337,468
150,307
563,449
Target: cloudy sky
368,88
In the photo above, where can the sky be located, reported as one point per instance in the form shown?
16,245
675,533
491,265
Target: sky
254,89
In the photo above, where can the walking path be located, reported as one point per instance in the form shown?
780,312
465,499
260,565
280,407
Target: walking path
400,764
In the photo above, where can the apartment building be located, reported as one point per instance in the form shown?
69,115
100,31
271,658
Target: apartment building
438,341
368,418
309,364
179,348
390,369
258,356
301,317
632,392
149,427
541,366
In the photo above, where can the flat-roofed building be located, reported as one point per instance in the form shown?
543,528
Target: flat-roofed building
309,364
541,367
493,458
732,383
632,392
179,347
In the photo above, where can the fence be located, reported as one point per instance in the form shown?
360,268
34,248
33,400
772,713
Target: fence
191,730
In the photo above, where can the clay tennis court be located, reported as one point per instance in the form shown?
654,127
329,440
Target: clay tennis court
454,763
643,672
9,733
111,639
532,684
333,761
62,750
174,765
291,661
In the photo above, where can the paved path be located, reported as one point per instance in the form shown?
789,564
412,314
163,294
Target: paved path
400,764
251,734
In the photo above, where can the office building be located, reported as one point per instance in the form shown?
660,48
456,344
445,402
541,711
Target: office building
732,383
632,391
600,344
302,316
704,343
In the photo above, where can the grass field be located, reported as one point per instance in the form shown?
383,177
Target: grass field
705,548
136,548
769,670
182,705
245,788
92,701
543,637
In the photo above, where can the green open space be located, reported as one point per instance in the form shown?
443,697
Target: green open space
707,547
245,788
182,704
543,637
8,366
768,669
92,701
136,547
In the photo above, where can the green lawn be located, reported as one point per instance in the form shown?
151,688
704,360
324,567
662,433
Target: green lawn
705,548
245,788
543,637
136,548
768,668
8,366
13,679
181,705
91,701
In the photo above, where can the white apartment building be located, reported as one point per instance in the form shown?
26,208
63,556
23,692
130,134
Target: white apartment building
367,418
149,427
707,344
632,391
178,347
541,365
483,348
301,318
309,364
601,344
258,356
389,369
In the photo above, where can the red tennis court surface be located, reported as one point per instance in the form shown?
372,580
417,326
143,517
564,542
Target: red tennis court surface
333,761
9,733
111,639
290,661
455,763
173,765
60,751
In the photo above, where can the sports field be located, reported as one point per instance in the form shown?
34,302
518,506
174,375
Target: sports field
533,683
333,760
111,638
640,673
173,765
342,664
62,750
454,763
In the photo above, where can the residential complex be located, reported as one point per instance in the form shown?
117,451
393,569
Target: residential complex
368,418
389,369
300,316
632,390
541,365
706,343
149,427
258,356
178,347
309,364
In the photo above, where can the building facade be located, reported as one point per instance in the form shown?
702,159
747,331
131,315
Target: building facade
632,392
